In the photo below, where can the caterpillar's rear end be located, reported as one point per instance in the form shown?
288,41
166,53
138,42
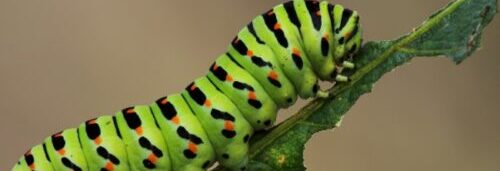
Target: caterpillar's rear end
276,58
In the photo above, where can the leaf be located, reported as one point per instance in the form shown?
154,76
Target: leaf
453,31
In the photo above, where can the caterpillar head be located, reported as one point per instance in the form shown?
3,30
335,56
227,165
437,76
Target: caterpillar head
347,33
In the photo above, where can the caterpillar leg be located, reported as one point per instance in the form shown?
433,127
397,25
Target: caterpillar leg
342,78
322,94
348,65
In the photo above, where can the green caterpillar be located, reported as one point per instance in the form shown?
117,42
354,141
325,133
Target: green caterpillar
280,55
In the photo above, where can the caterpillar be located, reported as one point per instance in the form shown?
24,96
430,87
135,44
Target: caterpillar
279,56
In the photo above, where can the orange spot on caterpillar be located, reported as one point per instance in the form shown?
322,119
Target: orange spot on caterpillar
296,52
152,158
192,87
32,166
277,26
249,53
57,135
61,152
130,111
251,95
109,166
176,120
215,67
326,36
236,40
92,121
192,147
318,13
270,13
138,130
228,125
207,103
164,101
229,78
98,140
273,75
348,34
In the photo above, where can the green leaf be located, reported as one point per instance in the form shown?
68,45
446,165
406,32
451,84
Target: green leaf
453,31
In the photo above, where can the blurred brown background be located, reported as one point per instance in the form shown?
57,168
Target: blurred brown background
62,62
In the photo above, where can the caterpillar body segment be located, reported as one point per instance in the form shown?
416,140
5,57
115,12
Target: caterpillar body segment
347,33
144,142
188,144
102,144
35,158
317,37
64,151
279,56
261,63
244,91
226,126
281,36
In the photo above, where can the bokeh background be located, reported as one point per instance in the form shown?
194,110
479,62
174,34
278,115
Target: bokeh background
63,62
